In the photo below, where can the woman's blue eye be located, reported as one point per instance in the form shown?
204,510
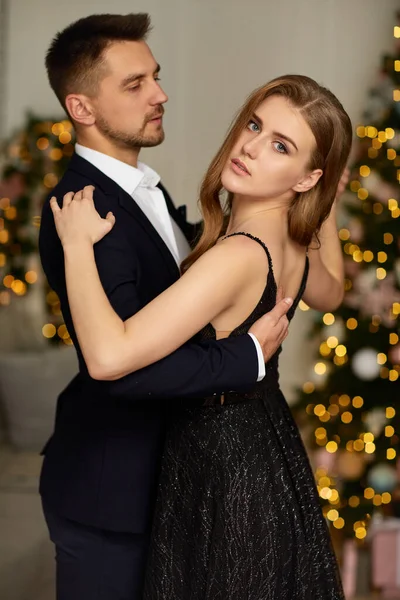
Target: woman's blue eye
253,126
281,148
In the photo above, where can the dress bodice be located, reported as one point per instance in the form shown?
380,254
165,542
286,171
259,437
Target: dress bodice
265,304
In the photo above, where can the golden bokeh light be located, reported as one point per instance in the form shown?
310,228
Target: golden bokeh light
42,143
357,402
354,501
31,277
328,319
320,368
308,387
332,341
380,273
364,171
347,417
331,447
370,448
351,323
387,238
49,330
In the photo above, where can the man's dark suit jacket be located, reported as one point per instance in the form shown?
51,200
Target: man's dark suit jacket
101,464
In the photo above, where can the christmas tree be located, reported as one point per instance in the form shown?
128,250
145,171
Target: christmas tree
351,402
33,161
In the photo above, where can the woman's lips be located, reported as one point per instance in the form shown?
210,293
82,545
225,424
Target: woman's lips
239,167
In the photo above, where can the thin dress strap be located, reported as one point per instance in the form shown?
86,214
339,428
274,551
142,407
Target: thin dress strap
306,266
256,239
303,282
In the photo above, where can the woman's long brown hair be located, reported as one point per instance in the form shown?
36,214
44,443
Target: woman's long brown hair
332,130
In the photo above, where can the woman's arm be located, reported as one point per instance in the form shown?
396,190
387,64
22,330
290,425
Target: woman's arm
325,284
112,348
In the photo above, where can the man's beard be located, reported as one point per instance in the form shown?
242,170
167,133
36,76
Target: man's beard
132,140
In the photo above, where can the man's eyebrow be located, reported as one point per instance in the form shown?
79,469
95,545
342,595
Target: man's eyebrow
137,76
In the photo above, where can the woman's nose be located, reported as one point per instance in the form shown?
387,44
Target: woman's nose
250,148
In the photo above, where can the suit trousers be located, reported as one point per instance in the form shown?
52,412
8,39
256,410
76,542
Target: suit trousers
96,564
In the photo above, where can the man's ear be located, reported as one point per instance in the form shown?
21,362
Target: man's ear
80,109
308,181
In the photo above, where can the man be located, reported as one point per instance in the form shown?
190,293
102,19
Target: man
101,465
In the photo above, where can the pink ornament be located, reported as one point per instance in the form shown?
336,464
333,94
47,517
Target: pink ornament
324,459
385,554
13,187
385,191
374,297
351,267
356,231
349,568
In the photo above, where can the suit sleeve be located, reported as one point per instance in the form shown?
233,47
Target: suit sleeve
194,370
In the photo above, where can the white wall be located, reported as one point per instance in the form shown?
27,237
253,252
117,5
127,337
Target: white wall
213,53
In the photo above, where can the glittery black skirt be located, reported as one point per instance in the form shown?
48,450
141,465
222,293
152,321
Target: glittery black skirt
238,515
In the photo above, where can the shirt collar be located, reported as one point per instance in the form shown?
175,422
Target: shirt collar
127,177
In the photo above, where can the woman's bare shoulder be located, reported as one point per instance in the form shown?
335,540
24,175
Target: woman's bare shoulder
239,255
244,246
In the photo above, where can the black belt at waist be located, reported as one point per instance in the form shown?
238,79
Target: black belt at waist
229,398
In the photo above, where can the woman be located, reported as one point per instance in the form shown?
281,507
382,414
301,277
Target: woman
238,513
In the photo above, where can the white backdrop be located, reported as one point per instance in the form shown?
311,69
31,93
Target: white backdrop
213,53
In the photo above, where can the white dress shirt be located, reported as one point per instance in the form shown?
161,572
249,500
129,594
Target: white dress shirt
141,184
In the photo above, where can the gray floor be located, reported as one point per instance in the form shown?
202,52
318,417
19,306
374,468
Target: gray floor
26,555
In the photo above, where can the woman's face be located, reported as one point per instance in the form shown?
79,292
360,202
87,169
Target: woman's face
271,156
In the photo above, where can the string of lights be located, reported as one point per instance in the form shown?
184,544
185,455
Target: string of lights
350,395
34,161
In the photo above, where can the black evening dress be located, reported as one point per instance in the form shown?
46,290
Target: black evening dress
238,515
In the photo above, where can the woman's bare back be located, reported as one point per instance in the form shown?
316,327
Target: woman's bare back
288,259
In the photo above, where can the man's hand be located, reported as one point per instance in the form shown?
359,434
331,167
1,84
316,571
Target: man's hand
271,329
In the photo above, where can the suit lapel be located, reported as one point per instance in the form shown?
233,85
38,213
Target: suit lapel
128,203
110,188
190,230
173,211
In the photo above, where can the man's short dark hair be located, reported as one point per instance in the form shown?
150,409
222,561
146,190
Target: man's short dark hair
74,61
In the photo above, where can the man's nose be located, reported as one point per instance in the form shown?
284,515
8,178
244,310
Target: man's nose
158,95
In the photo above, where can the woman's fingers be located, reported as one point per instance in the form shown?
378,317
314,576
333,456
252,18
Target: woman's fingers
111,219
78,196
68,199
78,217
54,206
87,192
